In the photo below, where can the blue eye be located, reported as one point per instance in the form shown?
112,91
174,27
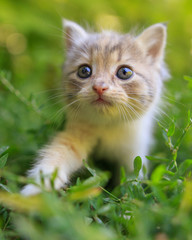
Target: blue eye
84,71
124,73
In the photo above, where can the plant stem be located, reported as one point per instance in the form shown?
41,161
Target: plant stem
19,95
180,139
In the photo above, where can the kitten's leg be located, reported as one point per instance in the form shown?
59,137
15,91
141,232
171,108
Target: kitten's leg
139,147
141,144
64,154
140,150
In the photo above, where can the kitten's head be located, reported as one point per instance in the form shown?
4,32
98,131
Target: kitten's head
109,76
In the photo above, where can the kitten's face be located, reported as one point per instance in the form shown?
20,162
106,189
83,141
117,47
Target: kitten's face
112,76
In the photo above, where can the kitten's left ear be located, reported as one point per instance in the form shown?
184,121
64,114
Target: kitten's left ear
74,33
153,41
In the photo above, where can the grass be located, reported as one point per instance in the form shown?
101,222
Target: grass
157,207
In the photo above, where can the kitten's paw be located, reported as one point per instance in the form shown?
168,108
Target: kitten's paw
30,190
61,181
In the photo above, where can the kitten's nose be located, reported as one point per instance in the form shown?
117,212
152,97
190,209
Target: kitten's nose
100,88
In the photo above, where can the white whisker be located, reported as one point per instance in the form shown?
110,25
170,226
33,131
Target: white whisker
61,111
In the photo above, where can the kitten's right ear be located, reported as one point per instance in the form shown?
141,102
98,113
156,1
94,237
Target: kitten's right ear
74,33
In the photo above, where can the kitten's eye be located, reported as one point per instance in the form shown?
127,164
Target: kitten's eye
124,73
84,71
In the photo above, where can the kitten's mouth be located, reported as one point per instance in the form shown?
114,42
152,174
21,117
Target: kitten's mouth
101,101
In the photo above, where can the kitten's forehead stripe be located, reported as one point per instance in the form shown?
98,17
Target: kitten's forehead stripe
114,48
95,47
106,47
120,54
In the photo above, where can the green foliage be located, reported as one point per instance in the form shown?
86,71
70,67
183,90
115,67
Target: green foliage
158,207
137,165
136,209
3,156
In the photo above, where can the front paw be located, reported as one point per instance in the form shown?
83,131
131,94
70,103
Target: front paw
30,190
49,182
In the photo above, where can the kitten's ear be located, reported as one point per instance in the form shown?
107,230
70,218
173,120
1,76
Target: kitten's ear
73,33
153,41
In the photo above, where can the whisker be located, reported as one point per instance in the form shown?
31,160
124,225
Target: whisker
133,110
123,106
50,90
54,100
172,100
123,113
162,112
58,113
77,110
162,96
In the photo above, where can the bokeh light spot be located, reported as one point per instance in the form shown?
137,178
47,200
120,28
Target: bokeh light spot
16,43
5,31
108,22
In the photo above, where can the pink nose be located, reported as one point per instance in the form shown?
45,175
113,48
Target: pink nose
100,88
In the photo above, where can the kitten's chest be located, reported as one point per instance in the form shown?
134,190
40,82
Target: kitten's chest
116,142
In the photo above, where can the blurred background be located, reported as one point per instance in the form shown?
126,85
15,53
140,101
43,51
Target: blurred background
32,54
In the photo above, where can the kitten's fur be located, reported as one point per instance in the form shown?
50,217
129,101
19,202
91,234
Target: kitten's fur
122,126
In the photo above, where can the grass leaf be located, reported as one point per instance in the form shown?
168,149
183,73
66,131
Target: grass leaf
137,165
3,160
171,130
3,150
184,167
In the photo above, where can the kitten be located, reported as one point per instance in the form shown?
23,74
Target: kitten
113,84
